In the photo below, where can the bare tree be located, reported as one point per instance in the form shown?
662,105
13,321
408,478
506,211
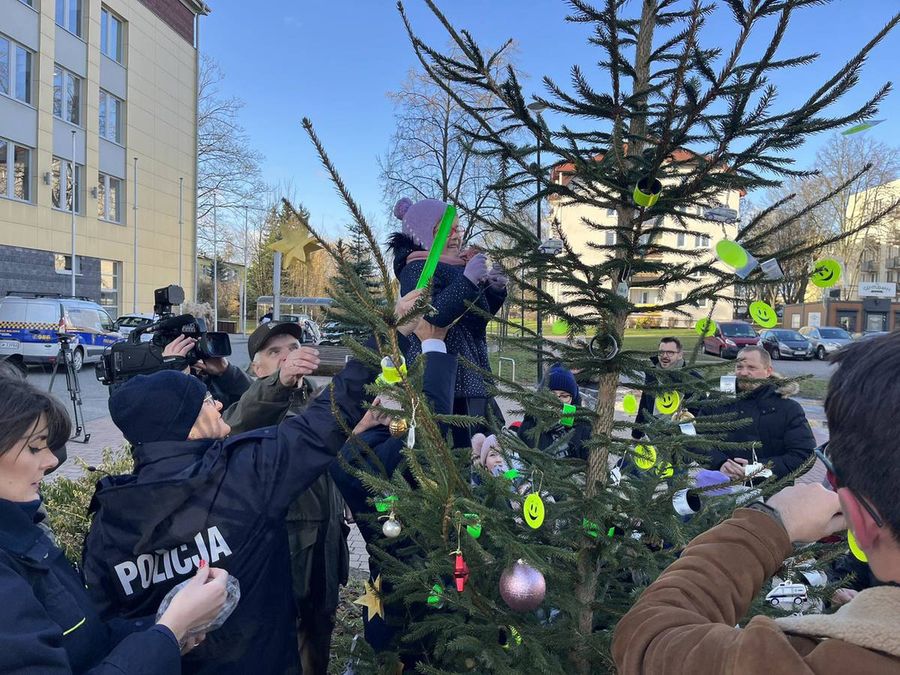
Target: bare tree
431,154
228,167
862,200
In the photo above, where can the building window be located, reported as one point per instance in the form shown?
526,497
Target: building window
701,241
66,184
66,95
111,35
109,198
110,274
701,302
610,238
15,70
63,264
679,242
889,277
30,3
610,212
68,15
111,117
15,171
679,297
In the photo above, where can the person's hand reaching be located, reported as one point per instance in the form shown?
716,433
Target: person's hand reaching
476,269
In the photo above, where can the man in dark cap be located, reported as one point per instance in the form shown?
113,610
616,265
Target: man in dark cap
195,495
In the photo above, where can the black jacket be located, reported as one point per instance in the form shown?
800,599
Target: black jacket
227,387
48,624
226,502
648,398
777,424
451,293
438,386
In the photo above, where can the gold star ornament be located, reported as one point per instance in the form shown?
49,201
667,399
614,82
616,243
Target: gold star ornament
296,244
372,599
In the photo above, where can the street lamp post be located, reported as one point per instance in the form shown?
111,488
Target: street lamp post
537,107
244,287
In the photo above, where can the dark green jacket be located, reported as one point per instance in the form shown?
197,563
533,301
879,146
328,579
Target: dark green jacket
315,519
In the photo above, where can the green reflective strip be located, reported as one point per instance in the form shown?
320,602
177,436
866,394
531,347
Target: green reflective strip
77,625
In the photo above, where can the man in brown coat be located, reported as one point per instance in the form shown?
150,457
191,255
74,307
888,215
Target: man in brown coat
684,622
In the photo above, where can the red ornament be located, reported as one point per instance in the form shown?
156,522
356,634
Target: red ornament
460,573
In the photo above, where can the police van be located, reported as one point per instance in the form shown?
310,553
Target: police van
30,323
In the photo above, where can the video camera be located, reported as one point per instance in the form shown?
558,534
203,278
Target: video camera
124,360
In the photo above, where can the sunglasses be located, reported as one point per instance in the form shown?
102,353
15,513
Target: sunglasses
835,483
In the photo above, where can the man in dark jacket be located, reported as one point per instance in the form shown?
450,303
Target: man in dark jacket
196,496
385,456
317,535
669,358
771,426
225,381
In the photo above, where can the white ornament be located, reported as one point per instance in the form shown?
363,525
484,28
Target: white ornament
391,528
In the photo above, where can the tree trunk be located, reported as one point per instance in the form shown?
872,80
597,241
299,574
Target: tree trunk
598,459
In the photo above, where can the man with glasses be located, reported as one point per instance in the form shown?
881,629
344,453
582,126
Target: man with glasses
685,621
668,368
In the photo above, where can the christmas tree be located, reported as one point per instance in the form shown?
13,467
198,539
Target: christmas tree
529,571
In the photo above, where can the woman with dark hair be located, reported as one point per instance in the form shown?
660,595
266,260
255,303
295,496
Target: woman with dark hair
47,622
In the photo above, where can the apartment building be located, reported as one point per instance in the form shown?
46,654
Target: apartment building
98,135
700,235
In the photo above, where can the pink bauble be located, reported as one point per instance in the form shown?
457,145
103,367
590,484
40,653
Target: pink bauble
522,587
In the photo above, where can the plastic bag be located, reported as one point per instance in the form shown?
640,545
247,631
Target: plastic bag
232,597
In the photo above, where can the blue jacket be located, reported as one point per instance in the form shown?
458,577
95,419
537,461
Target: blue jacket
48,624
451,293
226,502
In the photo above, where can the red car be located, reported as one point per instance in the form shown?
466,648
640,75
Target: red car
730,337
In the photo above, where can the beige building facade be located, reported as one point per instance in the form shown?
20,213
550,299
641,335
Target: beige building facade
701,235
875,270
98,119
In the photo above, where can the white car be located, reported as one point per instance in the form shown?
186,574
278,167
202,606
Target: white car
785,593
128,322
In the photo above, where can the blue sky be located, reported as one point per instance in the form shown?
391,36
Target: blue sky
334,61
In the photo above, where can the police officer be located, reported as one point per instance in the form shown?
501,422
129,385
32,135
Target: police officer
196,496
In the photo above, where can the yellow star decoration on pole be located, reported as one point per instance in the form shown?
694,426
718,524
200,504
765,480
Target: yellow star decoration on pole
296,244
372,599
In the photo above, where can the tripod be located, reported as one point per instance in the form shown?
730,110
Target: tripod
65,357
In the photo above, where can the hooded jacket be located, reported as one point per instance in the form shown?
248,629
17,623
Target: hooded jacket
684,622
572,447
776,424
49,625
451,296
224,501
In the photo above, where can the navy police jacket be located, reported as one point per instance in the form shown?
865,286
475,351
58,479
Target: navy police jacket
48,624
225,502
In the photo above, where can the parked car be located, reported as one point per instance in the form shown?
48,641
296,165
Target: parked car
128,322
869,334
29,325
333,331
784,343
826,340
730,337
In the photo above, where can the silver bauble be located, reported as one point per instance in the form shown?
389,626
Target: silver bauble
391,528
522,587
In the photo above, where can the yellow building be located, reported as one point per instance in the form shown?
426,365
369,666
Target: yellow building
701,234
98,103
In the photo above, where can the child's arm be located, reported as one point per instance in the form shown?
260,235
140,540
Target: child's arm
449,302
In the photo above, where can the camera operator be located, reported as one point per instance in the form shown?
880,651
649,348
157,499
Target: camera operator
225,381
195,494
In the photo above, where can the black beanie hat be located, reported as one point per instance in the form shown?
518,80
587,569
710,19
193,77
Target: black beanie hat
158,407
561,378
